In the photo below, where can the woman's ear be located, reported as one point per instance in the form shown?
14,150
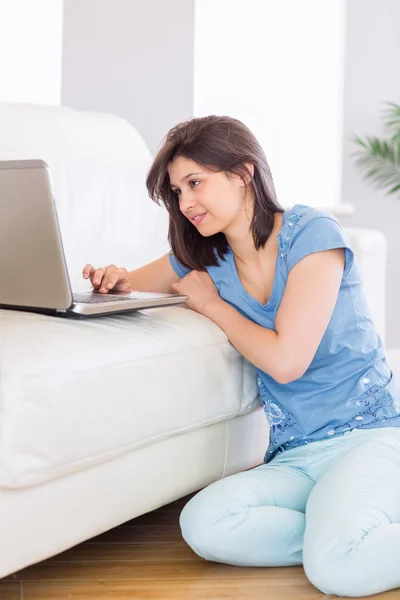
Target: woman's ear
250,173
244,179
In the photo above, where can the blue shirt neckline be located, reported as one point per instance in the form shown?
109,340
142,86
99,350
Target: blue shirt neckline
241,287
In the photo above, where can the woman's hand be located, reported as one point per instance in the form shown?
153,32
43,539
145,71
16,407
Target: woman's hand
201,290
108,279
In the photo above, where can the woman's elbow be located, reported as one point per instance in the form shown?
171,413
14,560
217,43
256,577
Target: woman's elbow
286,373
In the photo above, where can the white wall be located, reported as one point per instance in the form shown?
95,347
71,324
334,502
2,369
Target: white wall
31,51
372,78
279,67
133,58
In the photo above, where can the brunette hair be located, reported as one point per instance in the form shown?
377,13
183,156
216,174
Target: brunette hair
219,144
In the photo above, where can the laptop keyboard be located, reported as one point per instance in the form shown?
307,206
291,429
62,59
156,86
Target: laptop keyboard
96,298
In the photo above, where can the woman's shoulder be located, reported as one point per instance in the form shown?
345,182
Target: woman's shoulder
306,229
301,214
301,218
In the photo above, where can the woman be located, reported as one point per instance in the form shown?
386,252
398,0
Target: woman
285,288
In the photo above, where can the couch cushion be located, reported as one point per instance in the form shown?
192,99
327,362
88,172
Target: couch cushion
76,393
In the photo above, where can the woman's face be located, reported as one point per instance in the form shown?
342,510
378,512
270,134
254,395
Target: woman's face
217,200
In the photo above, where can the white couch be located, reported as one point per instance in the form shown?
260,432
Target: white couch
103,420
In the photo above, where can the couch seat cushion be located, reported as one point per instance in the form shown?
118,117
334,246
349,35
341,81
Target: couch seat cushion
78,392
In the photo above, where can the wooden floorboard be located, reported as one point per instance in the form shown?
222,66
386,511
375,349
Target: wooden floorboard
147,559
10,590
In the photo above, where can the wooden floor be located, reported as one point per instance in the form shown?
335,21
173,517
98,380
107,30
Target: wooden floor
147,559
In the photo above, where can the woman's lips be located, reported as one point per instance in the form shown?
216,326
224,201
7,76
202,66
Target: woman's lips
199,219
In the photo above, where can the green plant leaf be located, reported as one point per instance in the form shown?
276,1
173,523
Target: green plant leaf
379,159
392,115
396,137
358,141
381,166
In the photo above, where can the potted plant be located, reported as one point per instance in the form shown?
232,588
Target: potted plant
379,159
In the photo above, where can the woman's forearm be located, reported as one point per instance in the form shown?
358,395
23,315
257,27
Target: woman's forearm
259,345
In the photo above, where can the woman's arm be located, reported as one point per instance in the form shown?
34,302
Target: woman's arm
305,311
157,276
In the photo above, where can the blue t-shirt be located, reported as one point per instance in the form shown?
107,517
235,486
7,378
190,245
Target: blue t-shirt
348,384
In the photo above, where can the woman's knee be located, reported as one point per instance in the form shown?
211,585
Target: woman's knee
204,523
333,575
209,519
332,561
223,518
327,550
321,573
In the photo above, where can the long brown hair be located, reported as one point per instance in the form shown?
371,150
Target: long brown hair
218,144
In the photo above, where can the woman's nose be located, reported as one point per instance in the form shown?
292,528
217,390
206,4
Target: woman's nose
185,202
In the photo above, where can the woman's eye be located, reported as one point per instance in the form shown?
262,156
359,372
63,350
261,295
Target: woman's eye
192,184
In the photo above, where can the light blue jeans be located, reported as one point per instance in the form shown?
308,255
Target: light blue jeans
333,506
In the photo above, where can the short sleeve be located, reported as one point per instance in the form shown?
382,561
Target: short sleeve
177,266
317,235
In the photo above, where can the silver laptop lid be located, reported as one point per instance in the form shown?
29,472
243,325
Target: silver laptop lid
33,272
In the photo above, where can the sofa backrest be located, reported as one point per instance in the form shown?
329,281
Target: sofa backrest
98,165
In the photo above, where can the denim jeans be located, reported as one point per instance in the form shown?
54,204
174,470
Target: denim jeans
331,505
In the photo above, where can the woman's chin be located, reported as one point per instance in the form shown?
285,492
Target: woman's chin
206,230
209,232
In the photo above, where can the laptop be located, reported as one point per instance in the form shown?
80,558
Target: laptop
33,270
